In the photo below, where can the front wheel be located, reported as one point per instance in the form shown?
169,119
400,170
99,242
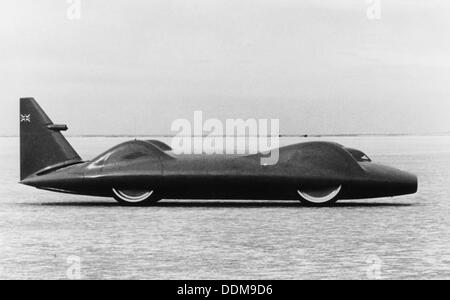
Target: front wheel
135,197
320,197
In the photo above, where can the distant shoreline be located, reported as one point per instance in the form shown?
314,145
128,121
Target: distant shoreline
281,135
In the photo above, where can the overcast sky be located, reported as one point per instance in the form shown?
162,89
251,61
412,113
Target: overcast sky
132,67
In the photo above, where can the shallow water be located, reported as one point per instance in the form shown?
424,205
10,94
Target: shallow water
400,238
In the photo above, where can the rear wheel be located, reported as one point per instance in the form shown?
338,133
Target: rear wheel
135,197
320,197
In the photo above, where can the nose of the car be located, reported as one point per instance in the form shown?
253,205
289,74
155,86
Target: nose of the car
396,181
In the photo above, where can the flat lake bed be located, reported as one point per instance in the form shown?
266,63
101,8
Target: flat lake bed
43,233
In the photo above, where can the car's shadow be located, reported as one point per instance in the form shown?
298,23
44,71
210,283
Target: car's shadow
231,204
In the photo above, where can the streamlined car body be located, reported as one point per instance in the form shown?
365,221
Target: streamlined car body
143,172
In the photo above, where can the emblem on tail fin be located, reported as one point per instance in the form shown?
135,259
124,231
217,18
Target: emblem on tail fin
25,118
41,144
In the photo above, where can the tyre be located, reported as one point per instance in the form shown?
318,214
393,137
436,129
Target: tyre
320,197
135,197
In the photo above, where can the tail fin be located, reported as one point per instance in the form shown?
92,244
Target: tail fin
41,143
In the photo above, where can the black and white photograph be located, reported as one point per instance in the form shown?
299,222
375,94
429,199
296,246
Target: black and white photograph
223,146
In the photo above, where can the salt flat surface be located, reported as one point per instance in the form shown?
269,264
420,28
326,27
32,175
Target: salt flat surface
400,238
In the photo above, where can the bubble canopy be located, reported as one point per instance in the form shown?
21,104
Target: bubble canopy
128,151
358,155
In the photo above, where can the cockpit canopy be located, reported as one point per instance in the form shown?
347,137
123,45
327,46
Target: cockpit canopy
358,155
129,151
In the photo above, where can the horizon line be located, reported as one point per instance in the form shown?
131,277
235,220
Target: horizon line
256,136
